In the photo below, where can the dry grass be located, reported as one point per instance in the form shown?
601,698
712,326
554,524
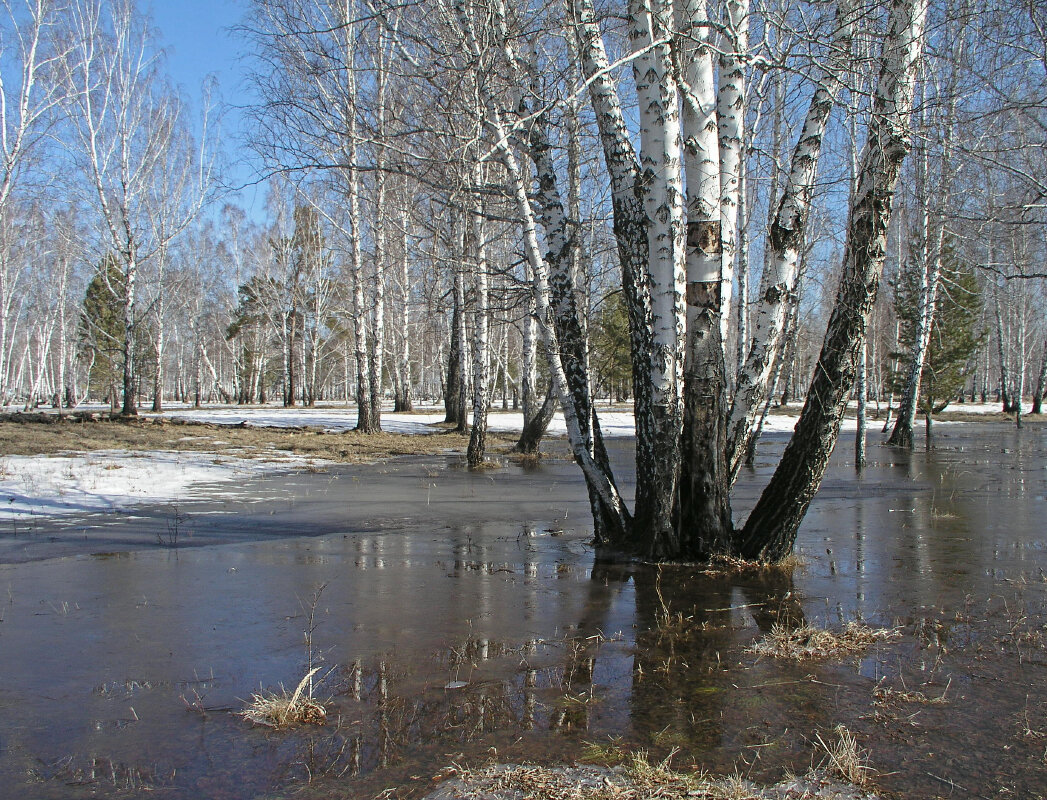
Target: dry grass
885,695
282,710
807,643
30,435
605,754
640,779
845,758
729,565
660,780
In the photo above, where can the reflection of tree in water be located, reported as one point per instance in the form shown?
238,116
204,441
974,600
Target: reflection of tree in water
391,714
687,628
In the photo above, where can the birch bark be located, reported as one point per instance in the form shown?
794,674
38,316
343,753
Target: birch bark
403,397
705,511
785,241
1041,383
481,324
771,528
656,458
650,27
930,240
730,113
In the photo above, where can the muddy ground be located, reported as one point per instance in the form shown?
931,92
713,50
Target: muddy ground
47,434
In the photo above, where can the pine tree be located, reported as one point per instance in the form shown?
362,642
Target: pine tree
101,330
101,335
955,332
611,356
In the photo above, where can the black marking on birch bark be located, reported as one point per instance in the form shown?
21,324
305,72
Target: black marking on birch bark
704,235
704,295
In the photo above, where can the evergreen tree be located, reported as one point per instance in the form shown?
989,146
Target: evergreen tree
101,330
955,338
611,355
250,326
955,332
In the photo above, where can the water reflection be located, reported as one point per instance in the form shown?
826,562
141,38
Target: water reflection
473,625
486,693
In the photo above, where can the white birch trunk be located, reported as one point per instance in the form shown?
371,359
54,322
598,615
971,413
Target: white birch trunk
1002,336
661,157
595,476
705,516
731,126
771,528
481,333
376,353
658,427
404,402
784,242
861,396
529,366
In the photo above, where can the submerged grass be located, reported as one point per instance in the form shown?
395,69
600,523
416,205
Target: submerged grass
885,695
731,565
807,642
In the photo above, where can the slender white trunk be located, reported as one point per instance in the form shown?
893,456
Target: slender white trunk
743,272
861,396
529,367
62,340
404,400
731,126
784,242
376,353
130,407
1002,336
595,476
481,330
770,530
598,480
158,342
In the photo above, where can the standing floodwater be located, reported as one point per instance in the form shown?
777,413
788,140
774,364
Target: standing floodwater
461,619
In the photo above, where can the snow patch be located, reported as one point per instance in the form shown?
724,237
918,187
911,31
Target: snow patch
113,480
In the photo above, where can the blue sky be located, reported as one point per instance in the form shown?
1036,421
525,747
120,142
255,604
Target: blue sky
198,41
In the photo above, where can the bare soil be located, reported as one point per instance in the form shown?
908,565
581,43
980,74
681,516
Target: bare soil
47,434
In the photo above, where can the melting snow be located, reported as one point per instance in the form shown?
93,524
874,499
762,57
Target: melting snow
113,480
110,480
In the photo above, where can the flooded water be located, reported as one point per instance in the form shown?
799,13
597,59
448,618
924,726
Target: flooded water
461,619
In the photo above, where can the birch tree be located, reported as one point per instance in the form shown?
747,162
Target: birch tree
777,291
32,53
768,533
311,56
771,528
125,121
934,183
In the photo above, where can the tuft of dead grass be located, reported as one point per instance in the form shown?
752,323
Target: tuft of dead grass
845,758
808,643
885,695
280,710
660,780
605,754
637,779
